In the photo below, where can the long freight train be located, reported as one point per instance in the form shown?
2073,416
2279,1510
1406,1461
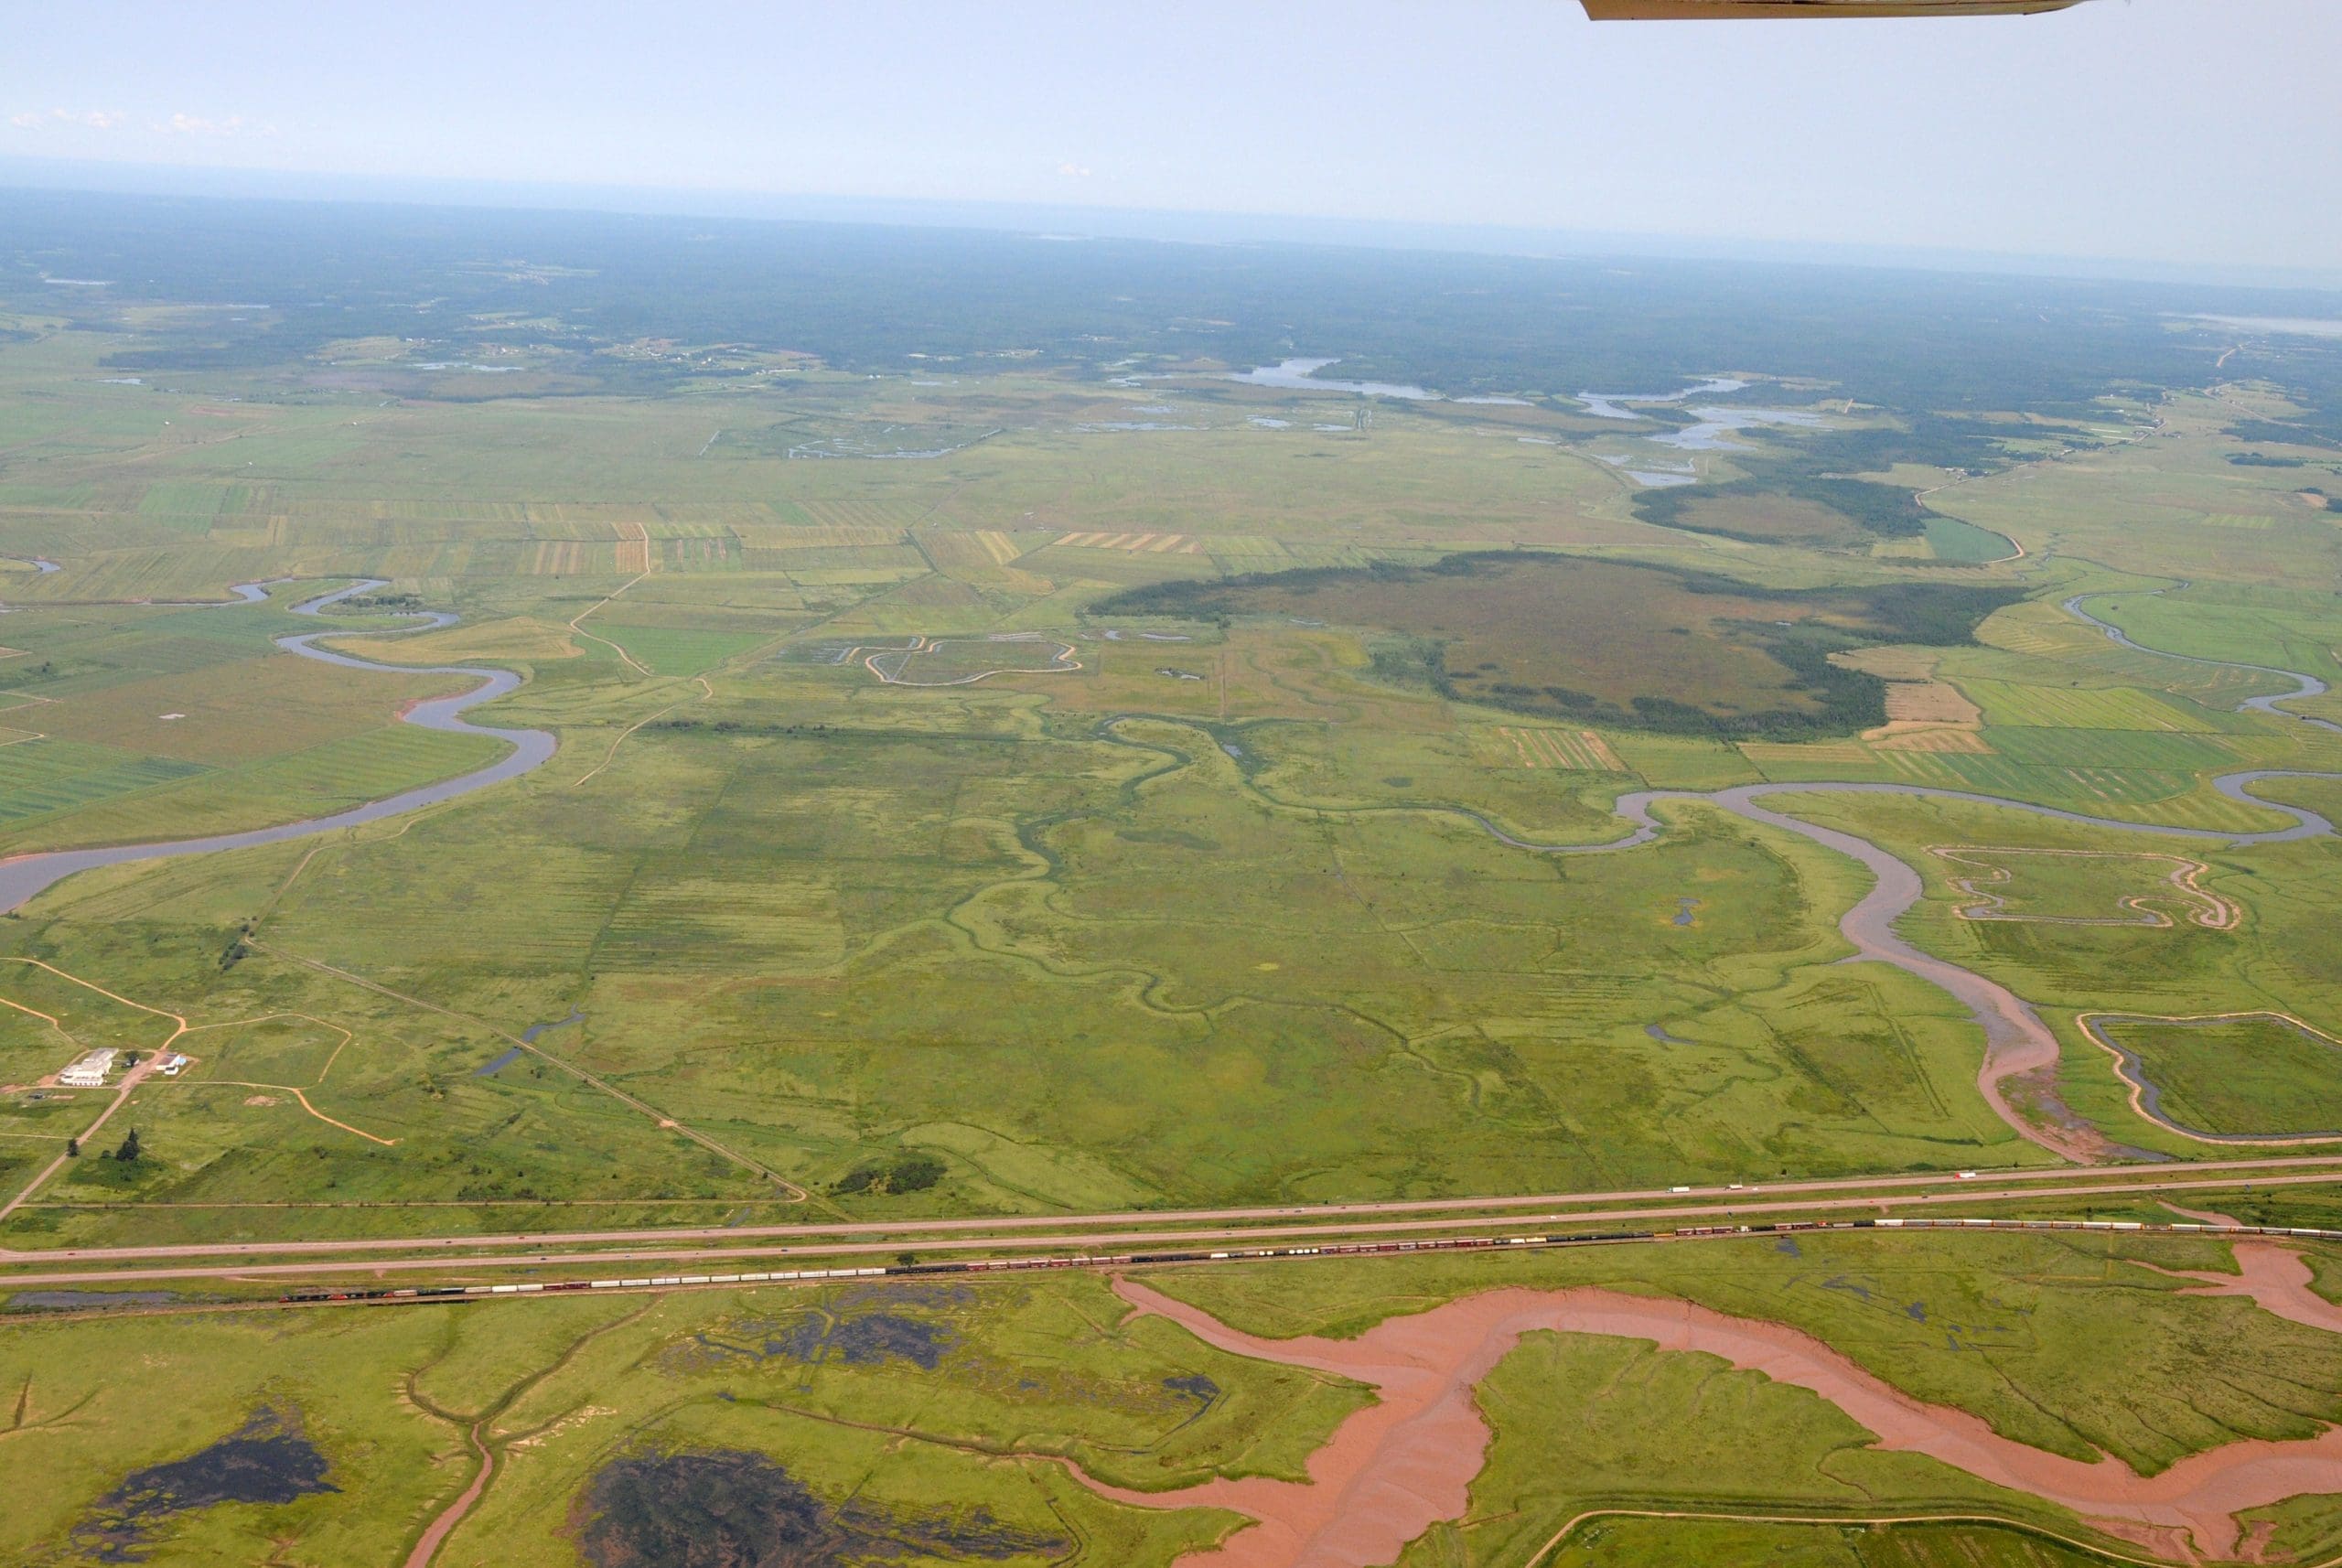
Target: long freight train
1249,1254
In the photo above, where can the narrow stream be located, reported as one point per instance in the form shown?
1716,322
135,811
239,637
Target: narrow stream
2016,1041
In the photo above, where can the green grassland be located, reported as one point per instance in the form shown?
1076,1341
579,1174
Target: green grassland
680,651
944,1403
2069,1345
947,1404
2274,960
1608,1414
825,946
1215,918
169,723
823,918
2149,504
2279,626
2251,1076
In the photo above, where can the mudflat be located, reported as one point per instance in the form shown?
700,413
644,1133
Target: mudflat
1406,1462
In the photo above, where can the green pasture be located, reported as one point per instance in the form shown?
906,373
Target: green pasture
2271,961
2218,620
2149,506
950,1402
42,777
2250,1074
1965,544
677,651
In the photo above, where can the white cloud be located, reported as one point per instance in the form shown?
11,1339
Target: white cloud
196,125
1074,170
179,124
89,119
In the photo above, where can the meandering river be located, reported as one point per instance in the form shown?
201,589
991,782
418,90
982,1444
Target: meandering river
1393,1469
26,876
2017,1041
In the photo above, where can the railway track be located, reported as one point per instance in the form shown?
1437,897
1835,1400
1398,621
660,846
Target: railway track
906,1250
1626,1203
417,1293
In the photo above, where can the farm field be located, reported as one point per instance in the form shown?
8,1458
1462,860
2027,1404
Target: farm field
964,789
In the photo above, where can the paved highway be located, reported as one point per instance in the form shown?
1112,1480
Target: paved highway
970,1232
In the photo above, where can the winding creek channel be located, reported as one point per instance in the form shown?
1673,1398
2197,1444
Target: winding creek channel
1407,1460
2017,1041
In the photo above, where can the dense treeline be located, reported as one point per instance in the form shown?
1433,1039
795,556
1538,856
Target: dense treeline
865,296
1813,468
2320,427
1883,510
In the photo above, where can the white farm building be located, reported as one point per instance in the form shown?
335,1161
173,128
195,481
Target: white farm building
90,1072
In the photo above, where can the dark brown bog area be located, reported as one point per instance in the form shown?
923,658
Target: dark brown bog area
1607,642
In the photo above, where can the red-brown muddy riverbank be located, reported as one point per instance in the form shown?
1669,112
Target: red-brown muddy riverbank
1393,1470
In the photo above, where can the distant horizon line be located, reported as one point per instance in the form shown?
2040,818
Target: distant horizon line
1188,226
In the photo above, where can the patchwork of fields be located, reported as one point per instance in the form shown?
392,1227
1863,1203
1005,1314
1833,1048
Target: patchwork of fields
992,801
882,724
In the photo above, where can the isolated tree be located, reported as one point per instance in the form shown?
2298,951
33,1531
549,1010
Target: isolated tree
72,1148
129,1149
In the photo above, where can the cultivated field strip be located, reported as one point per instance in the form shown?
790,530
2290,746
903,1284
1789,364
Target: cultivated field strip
1576,750
2081,707
54,776
1135,543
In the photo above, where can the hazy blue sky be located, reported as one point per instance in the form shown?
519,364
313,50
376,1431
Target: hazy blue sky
2197,131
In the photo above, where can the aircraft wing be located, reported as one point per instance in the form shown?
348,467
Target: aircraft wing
1732,10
